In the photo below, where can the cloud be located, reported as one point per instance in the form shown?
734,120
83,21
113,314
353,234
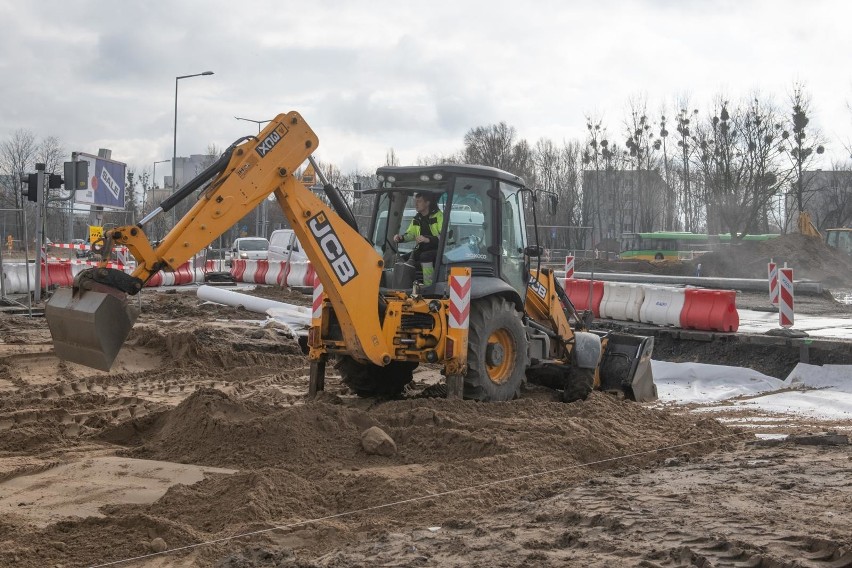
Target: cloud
415,77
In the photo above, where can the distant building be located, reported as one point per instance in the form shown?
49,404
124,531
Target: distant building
187,168
623,201
827,197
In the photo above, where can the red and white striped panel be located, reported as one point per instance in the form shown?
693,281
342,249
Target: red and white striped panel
773,282
460,301
316,314
75,246
569,267
785,293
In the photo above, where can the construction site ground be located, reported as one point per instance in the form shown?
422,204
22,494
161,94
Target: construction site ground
200,448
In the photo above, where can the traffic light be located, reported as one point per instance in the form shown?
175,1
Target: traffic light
35,186
76,175
54,181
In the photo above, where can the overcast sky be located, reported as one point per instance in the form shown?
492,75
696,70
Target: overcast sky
413,76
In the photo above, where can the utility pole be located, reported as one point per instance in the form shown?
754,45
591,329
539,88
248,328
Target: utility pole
39,244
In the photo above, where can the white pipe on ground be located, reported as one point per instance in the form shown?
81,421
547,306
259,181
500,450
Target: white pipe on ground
236,299
297,318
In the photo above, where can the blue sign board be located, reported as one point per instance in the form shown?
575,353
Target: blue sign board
106,183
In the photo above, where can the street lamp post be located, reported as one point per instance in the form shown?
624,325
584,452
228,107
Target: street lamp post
174,150
260,226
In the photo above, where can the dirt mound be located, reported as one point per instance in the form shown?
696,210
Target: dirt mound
809,257
307,461
226,346
211,428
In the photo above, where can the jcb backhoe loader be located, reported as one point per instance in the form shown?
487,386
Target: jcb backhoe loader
489,319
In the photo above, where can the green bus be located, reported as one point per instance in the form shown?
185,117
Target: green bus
673,245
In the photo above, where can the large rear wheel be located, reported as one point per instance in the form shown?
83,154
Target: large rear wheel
497,351
367,379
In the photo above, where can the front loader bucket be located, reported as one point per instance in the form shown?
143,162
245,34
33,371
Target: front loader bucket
626,366
89,327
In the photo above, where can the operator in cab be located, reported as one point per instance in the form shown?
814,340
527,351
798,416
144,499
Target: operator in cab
424,231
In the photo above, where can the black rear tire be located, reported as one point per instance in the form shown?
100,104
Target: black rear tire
369,380
497,351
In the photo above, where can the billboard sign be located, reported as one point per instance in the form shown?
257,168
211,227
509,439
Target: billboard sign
106,184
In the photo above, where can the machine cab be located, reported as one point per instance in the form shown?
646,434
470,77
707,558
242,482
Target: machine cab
483,222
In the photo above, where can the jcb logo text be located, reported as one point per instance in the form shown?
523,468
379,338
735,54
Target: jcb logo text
268,143
332,248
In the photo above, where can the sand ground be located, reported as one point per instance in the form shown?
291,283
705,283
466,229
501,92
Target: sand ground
202,433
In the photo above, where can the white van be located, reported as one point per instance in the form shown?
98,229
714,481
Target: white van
283,245
250,248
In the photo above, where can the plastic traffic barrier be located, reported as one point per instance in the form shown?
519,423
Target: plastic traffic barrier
662,305
622,301
184,274
238,268
300,274
710,310
276,273
578,292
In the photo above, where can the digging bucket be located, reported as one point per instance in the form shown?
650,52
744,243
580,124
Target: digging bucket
626,366
88,327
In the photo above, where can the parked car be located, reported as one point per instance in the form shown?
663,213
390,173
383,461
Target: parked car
80,253
250,248
283,245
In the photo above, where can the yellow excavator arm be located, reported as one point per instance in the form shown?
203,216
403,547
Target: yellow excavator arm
83,320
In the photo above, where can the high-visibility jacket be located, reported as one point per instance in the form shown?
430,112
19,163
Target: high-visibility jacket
433,221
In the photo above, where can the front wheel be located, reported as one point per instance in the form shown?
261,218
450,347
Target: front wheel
579,385
497,351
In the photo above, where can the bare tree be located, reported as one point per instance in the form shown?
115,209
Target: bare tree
51,153
598,184
640,204
17,156
739,158
801,143
391,159
660,144
497,146
130,196
558,169
689,204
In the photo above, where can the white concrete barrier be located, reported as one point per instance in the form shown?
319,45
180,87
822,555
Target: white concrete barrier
622,301
662,305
